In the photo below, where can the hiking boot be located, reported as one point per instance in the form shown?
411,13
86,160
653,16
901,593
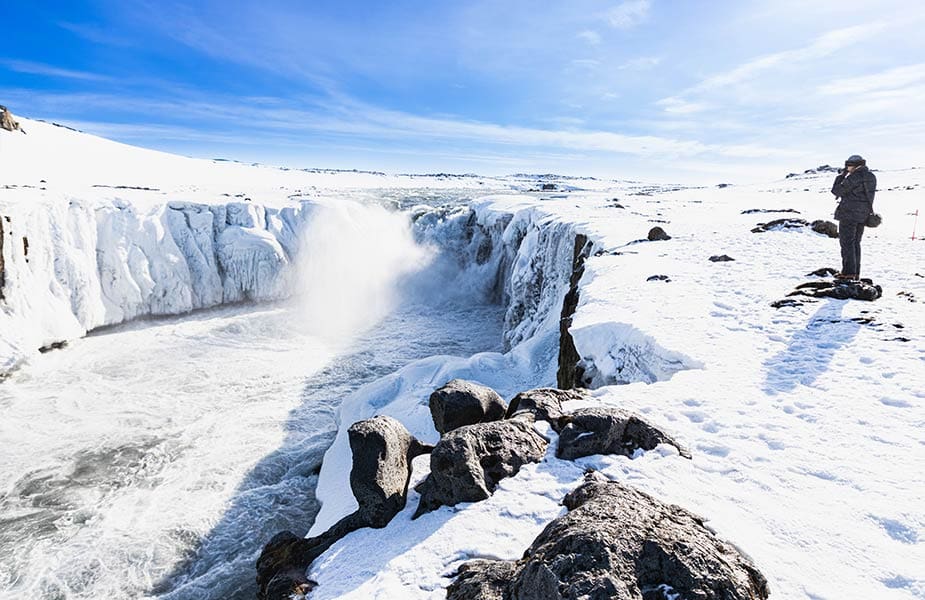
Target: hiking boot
845,277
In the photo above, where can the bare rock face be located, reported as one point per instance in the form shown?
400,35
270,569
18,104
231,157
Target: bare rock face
621,544
7,121
608,431
541,404
482,580
382,453
461,402
825,227
657,234
468,462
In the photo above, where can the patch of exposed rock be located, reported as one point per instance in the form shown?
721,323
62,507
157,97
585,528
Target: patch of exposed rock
382,453
608,430
825,228
467,463
622,544
7,121
462,402
657,234
541,404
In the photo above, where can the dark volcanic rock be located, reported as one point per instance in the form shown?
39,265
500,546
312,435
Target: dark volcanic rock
617,543
658,278
541,404
280,572
468,462
778,224
823,272
752,211
608,430
461,402
482,580
382,452
853,290
721,258
825,227
570,374
284,560
657,234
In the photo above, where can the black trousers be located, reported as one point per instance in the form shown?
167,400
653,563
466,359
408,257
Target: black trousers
849,236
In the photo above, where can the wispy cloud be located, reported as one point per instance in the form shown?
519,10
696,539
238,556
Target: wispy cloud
592,37
890,79
641,63
36,68
629,14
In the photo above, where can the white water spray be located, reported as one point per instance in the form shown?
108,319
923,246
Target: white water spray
352,262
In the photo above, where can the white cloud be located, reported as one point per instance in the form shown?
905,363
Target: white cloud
629,14
641,63
592,37
34,68
890,79
680,106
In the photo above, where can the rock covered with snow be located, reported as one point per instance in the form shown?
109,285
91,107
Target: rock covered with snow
462,402
468,462
617,542
608,431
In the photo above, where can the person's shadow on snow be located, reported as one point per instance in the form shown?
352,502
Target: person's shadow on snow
810,350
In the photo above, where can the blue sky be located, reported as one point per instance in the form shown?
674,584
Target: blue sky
646,89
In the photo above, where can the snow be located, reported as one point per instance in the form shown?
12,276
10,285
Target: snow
804,422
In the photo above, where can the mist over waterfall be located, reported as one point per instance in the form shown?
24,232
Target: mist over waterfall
352,262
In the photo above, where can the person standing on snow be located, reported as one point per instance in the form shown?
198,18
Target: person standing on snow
854,187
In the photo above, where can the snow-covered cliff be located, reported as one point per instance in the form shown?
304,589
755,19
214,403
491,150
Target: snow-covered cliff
83,265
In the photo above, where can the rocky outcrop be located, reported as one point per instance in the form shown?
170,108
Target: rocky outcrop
541,404
865,289
482,580
721,258
7,121
827,228
468,462
618,543
382,453
608,431
461,402
657,234
570,373
778,224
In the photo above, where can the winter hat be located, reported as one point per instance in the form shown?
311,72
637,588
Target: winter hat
855,160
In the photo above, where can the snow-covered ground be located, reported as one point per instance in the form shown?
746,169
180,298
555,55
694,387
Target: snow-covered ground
804,422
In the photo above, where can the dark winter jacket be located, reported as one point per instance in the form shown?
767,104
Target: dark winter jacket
855,194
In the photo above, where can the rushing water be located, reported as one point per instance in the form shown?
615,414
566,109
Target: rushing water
155,459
